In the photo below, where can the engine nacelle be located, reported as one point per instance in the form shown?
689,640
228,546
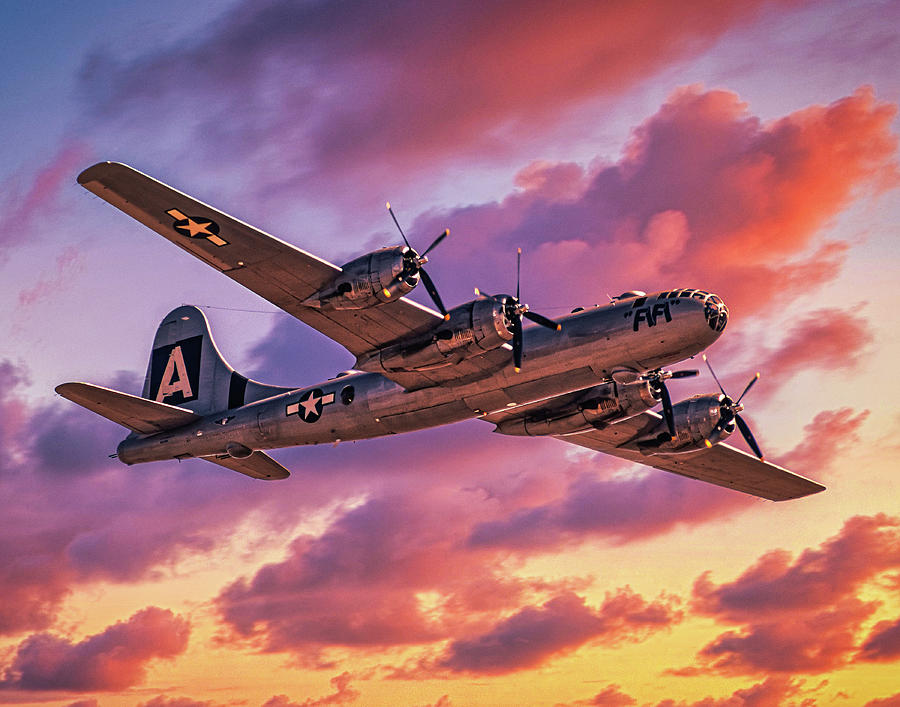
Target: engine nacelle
367,281
695,419
598,406
472,329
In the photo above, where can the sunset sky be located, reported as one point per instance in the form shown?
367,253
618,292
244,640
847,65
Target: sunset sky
746,148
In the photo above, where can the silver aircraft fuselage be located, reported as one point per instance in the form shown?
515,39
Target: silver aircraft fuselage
627,336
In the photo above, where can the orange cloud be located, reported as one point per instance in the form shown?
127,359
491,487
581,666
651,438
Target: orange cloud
112,660
803,614
705,195
773,692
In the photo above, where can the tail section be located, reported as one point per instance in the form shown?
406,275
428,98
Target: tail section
187,370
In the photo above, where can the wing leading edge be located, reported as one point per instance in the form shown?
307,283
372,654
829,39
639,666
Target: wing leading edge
722,465
277,271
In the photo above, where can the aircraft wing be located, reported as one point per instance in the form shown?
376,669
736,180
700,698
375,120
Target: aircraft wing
277,271
722,465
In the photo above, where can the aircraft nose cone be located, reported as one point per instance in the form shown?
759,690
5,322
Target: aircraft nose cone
716,313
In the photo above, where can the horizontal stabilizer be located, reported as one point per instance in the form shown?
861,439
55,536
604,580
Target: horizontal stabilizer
137,414
259,465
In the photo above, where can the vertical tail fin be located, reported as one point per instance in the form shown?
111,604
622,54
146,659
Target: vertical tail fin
186,368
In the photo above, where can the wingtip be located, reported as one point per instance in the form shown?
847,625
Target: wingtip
97,172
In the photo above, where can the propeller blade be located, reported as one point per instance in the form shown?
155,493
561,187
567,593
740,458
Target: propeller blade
518,344
668,413
749,386
397,223
748,436
542,320
436,241
432,291
518,271
685,374
716,433
392,284
715,378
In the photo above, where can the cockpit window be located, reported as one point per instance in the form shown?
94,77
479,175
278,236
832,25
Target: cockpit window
700,294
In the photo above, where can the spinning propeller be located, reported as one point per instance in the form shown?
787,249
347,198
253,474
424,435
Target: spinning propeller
729,410
657,380
514,310
413,264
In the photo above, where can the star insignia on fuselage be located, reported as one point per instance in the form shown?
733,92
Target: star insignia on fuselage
196,227
310,405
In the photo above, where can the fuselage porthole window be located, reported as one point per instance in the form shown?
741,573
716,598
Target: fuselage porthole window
347,394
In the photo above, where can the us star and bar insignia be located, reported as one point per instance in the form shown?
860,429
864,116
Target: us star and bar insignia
197,227
310,405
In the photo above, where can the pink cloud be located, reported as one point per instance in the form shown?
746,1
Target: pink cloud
622,508
803,614
705,195
534,635
827,339
67,262
824,440
813,642
21,207
343,694
777,584
112,660
389,101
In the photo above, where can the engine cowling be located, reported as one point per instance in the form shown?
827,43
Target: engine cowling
695,419
472,329
597,407
368,281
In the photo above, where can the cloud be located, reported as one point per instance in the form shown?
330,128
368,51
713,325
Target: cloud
347,99
357,584
533,635
798,615
343,694
622,508
24,210
610,696
893,701
73,516
828,340
163,701
773,692
112,660
883,643
776,585
824,441
705,194
813,642
67,262
396,571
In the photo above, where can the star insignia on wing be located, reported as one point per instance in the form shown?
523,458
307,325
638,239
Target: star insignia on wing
196,227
